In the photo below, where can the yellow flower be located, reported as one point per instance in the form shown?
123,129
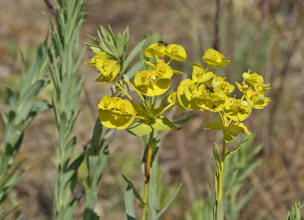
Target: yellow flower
115,112
184,94
155,50
237,109
253,78
176,52
211,100
108,69
163,71
215,58
256,100
219,83
199,74
149,83
100,56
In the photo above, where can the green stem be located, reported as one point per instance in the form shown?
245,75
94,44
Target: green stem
218,212
147,174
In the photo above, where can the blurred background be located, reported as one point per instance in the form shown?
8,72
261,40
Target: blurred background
264,36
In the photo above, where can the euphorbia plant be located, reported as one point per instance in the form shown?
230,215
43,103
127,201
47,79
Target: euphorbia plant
205,91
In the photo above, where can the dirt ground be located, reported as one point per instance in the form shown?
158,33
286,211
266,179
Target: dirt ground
276,184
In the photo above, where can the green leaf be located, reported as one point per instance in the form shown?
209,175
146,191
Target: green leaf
182,121
163,124
162,211
294,213
235,149
133,54
129,203
138,66
216,153
230,184
140,129
136,193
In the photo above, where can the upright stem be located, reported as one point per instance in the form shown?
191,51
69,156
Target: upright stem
218,209
147,173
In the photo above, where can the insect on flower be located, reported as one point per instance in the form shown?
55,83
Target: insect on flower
209,88
165,43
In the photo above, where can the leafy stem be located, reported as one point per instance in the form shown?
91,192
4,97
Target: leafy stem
147,173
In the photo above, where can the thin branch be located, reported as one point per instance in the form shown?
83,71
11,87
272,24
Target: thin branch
216,40
51,8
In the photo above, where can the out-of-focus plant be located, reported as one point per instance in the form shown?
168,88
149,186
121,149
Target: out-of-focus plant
295,212
64,59
23,109
96,156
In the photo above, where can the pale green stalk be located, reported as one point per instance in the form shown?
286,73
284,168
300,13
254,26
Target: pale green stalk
64,59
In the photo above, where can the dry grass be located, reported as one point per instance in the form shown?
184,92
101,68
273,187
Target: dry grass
277,183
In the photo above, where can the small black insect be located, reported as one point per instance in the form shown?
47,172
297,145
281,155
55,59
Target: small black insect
165,43
209,88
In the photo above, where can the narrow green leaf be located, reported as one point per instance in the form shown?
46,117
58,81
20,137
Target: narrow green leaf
235,149
133,54
136,193
137,67
164,124
294,213
216,153
162,211
129,203
182,121
140,129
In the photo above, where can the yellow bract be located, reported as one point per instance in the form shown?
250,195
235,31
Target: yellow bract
237,109
215,58
163,71
184,94
150,84
199,74
115,112
109,70
155,50
107,67
253,78
100,56
176,52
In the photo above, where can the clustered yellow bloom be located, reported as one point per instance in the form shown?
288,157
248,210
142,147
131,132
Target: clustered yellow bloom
157,81
108,68
116,112
204,91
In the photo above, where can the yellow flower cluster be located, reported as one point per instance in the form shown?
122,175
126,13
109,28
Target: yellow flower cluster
208,92
116,112
204,91
108,68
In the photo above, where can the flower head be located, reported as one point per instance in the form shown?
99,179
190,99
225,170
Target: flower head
215,58
109,69
176,52
150,84
155,50
115,112
199,74
99,57
237,109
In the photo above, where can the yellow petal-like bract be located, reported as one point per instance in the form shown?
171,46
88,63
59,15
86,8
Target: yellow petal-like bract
215,58
115,112
150,84
176,52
